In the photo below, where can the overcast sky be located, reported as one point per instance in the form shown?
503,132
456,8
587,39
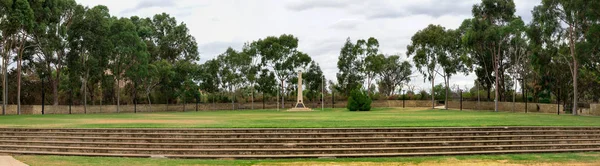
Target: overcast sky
322,26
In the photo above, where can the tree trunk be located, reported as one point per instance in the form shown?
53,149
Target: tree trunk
496,83
55,83
263,102
20,57
85,91
4,83
574,69
282,95
56,80
118,95
149,102
447,80
432,92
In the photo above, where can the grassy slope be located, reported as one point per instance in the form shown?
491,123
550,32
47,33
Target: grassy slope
380,117
534,159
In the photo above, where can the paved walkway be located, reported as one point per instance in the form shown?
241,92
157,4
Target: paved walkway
10,161
440,107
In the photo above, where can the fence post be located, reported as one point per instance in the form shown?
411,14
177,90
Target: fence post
461,100
43,94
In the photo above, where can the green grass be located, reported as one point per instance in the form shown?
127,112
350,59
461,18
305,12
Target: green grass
555,159
379,117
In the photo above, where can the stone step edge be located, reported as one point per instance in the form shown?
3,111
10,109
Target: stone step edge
300,149
321,138
303,155
324,133
295,144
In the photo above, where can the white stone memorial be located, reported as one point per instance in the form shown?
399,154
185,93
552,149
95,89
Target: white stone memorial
299,102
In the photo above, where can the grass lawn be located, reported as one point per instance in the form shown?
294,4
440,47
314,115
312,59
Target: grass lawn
379,117
580,159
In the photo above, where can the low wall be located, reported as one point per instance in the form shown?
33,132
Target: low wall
94,109
506,106
594,110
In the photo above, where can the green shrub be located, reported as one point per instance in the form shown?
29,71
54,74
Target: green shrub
359,101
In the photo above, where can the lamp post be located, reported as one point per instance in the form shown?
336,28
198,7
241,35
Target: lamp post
278,97
323,93
461,98
43,94
403,98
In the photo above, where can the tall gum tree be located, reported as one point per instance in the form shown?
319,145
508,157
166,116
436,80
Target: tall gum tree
89,45
569,20
425,48
129,51
452,61
20,24
281,55
349,64
488,35
52,20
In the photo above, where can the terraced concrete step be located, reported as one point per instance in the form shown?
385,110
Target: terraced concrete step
294,151
298,135
294,145
292,130
297,140
301,155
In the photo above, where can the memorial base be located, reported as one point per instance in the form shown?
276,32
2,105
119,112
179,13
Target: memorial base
299,109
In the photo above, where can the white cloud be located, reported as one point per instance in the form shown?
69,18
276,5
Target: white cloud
302,5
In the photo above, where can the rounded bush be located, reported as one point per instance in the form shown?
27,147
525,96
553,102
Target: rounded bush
359,101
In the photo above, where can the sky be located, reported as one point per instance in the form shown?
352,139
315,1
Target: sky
321,26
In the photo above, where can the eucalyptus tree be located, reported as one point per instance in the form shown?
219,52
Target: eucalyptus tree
350,75
395,74
173,42
129,56
89,44
313,80
209,77
281,55
156,71
372,61
17,28
252,64
426,47
53,19
266,84
568,23
5,44
453,60
488,35
231,77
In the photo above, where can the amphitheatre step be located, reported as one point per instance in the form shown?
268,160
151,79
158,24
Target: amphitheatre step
289,130
295,145
293,151
302,155
299,135
297,140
